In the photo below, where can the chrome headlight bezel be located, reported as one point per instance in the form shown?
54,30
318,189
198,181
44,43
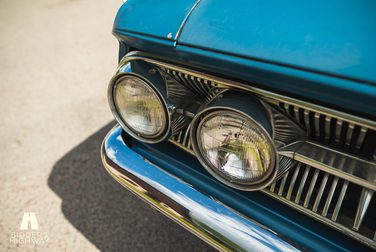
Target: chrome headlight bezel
165,129
245,107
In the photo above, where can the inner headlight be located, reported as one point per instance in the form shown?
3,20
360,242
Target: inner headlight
234,147
232,137
139,107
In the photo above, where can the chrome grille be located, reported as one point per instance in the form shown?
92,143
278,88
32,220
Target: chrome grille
329,199
342,204
321,195
195,84
336,132
181,138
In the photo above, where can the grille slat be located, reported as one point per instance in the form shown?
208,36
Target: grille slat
362,135
293,180
306,121
179,136
296,114
365,199
186,136
338,132
311,187
320,193
283,182
330,197
287,108
340,200
272,187
349,134
328,120
199,87
317,125
302,183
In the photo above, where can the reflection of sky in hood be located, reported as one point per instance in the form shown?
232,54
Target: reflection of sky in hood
202,209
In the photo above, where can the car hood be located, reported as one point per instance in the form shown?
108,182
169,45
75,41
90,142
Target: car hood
335,38
158,19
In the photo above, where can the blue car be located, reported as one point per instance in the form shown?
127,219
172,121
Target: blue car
252,124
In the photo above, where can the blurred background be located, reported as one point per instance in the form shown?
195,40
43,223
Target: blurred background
57,57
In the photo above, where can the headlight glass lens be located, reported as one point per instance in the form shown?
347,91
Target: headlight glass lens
235,147
139,106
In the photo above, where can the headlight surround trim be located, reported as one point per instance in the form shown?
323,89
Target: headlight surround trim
233,114
166,128
257,185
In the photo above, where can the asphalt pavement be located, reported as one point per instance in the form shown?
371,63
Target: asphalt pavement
56,58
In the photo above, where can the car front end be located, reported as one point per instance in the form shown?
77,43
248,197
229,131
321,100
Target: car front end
255,132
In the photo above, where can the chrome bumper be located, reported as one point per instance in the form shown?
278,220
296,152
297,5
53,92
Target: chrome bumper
219,225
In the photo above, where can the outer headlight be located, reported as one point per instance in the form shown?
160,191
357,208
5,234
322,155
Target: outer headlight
234,143
139,107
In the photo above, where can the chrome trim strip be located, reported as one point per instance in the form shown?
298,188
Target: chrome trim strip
201,214
356,170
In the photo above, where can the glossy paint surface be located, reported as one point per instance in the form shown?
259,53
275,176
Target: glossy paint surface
335,37
160,19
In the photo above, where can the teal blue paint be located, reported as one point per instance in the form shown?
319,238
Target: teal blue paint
335,37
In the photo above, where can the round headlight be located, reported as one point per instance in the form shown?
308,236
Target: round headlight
235,147
139,107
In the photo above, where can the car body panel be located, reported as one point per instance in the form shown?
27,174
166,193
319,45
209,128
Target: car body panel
335,37
161,19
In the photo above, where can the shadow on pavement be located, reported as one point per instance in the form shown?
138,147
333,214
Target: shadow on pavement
109,216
